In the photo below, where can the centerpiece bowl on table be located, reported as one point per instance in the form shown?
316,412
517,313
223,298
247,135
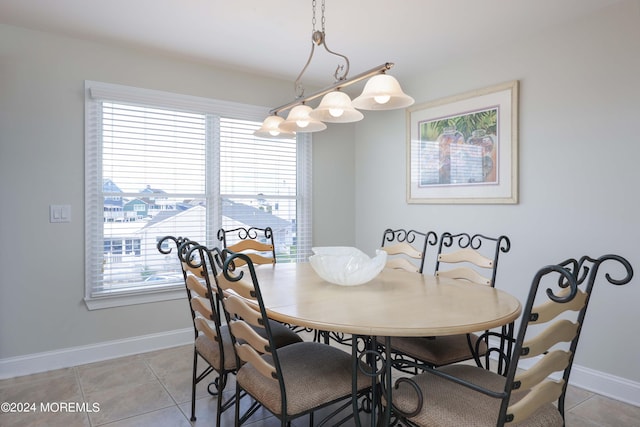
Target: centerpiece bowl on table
345,265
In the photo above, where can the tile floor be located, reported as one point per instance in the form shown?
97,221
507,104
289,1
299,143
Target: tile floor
153,389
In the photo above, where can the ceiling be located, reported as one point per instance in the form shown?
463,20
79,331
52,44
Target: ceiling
273,37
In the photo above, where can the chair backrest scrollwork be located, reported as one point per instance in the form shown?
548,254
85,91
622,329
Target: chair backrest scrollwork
476,256
406,249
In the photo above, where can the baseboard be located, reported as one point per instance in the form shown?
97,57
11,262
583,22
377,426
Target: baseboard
617,388
608,385
67,357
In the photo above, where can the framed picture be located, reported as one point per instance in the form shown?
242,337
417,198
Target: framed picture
464,149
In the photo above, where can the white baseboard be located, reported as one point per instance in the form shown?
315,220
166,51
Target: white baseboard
67,357
608,385
598,382
617,388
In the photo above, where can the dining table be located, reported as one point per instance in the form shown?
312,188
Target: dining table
394,303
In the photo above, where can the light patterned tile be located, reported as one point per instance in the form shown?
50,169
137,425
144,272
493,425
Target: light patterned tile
178,384
573,420
575,396
169,417
106,363
117,403
44,419
171,360
206,412
45,400
607,412
60,389
149,354
42,376
127,371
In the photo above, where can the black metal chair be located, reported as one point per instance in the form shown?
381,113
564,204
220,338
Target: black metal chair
476,260
255,242
552,320
406,249
289,382
212,341
259,245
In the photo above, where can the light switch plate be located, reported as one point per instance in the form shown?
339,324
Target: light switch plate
59,213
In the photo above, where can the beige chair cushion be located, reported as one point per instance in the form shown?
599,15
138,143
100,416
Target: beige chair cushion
210,350
437,351
313,374
449,404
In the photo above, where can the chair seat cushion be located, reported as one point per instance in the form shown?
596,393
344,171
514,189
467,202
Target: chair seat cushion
282,335
438,351
210,350
449,404
313,373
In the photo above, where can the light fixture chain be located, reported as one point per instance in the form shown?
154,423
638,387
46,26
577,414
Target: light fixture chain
313,20
323,19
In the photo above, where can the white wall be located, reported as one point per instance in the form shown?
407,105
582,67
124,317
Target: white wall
333,186
579,148
42,313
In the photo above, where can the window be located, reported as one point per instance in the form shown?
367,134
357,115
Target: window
162,164
258,184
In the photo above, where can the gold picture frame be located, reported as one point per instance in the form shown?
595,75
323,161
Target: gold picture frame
464,148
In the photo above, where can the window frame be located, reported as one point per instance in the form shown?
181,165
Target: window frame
95,94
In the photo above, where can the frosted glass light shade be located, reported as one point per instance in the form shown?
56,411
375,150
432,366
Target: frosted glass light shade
299,120
382,92
271,129
336,107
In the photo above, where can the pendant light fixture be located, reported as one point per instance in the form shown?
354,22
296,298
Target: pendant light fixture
299,120
271,129
381,92
336,107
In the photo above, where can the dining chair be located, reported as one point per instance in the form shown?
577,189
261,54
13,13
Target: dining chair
212,341
406,249
257,243
552,320
473,258
291,381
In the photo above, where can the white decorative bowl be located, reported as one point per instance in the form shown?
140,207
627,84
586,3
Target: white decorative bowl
345,265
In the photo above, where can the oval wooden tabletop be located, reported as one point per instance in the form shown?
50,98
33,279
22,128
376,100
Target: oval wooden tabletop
395,303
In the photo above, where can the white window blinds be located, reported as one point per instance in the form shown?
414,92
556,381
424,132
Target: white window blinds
161,164
259,186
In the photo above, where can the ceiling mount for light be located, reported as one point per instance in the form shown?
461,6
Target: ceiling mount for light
382,92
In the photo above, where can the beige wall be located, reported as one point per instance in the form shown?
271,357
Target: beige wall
579,148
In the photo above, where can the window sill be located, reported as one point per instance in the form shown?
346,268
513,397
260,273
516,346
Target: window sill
110,301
